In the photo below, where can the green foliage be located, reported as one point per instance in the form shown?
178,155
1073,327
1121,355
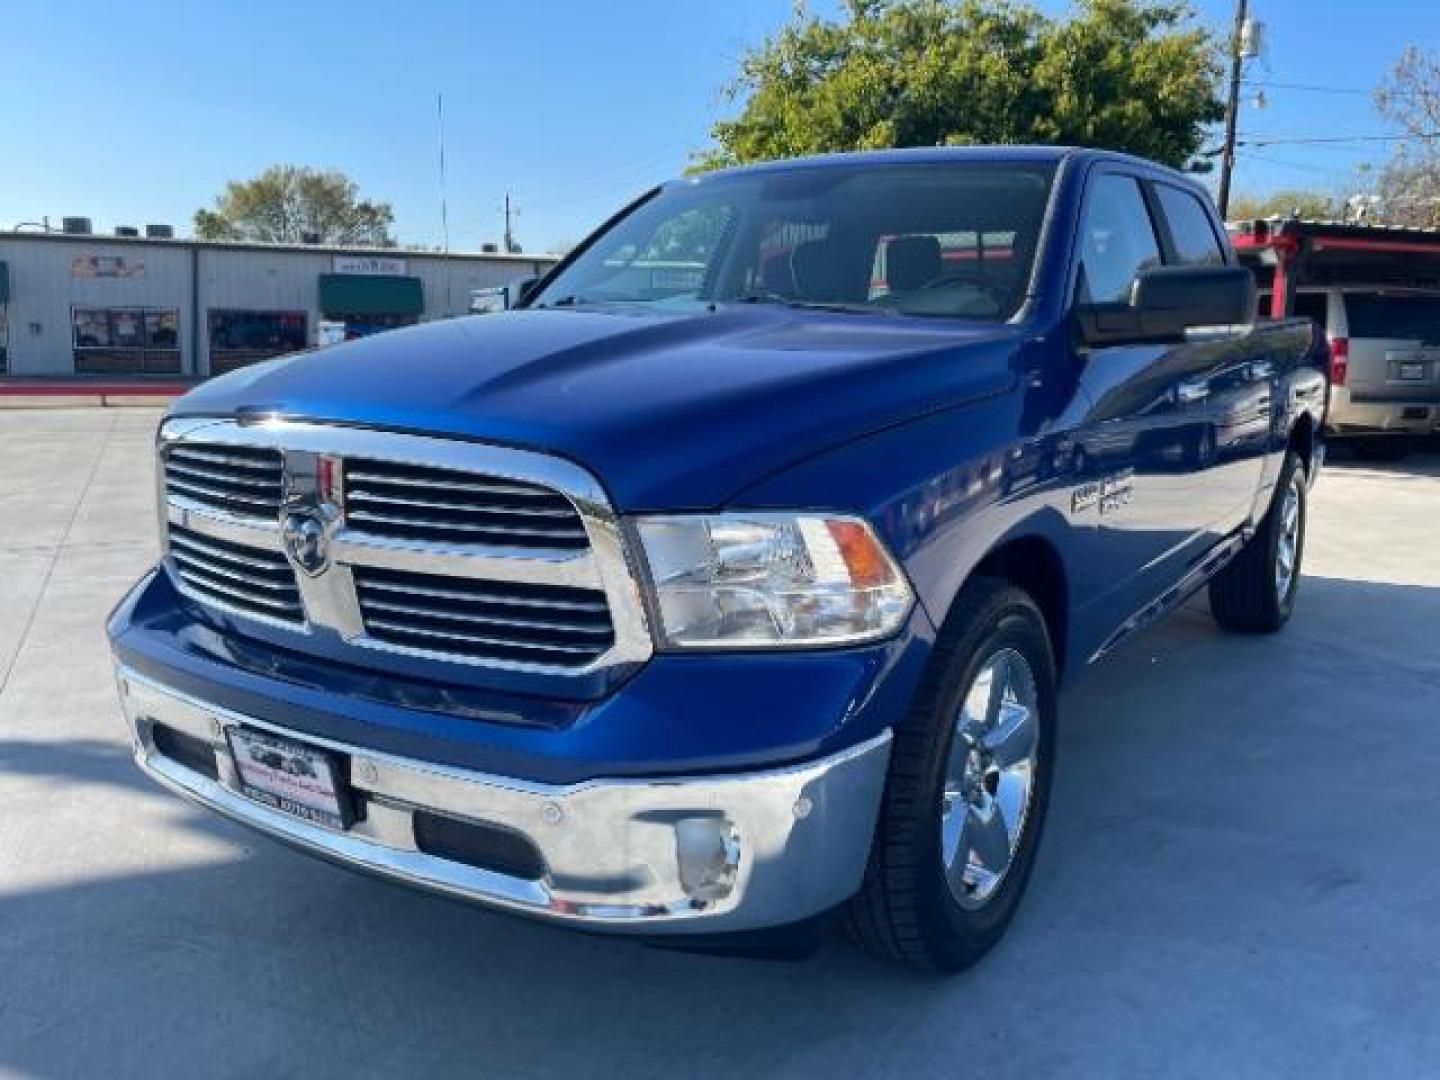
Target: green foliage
285,203
1132,75
1311,205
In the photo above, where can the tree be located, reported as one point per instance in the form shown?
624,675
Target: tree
1409,185
1287,203
1132,75
1409,191
288,204
1411,95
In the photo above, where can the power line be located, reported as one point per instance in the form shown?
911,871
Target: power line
1250,155
1313,88
635,172
651,159
1349,149
1320,140
1268,84
1317,140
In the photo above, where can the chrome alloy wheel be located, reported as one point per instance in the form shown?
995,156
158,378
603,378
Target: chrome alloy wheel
1287,545
989,778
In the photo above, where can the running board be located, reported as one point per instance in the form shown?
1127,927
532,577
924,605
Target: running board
1211,564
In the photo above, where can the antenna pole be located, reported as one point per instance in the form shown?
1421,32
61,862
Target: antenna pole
444,207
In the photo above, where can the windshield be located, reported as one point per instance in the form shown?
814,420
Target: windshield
944,240
1402,316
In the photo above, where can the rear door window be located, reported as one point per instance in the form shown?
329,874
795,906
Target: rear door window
1190,228
1393,315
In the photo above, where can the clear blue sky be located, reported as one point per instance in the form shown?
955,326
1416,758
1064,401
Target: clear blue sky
140,112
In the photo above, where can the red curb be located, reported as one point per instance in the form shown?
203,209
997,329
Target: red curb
81,389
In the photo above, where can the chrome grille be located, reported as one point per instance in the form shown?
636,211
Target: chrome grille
253,580
390,542
449,506
247,481
485,620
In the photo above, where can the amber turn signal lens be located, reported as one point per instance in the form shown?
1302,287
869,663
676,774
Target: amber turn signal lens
863,558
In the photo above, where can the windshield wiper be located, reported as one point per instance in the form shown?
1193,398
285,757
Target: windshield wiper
807,305
573,300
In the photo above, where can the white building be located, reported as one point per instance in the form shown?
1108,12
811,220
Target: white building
84,304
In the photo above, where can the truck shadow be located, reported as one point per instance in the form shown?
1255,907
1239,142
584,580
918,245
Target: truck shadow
1195,827
74,761
1423,462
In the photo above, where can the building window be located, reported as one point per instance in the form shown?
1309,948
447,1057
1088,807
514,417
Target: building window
240,337
4,341
126,341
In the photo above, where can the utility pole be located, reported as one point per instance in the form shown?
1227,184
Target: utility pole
1232,105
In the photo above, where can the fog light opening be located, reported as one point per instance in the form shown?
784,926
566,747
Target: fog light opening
708,852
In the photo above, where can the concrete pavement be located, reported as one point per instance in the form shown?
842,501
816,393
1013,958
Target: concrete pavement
1239,877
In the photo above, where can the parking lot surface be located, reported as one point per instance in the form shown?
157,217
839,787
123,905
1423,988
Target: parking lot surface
1239,876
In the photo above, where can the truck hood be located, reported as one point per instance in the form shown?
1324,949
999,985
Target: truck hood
669,411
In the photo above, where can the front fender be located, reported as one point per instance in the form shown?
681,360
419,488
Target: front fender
940,509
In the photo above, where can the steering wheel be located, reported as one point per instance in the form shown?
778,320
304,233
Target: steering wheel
998,293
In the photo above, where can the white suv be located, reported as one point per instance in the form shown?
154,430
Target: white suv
1385,382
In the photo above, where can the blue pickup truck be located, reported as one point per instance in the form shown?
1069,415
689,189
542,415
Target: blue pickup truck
726,587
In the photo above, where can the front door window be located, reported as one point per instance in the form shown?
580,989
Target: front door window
1117,240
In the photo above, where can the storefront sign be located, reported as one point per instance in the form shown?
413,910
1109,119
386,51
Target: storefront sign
368,264
109,266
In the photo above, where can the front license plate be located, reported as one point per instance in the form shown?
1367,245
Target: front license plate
290,776
1412,371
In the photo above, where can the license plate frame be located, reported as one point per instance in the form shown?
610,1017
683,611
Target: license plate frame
1411,370
293,777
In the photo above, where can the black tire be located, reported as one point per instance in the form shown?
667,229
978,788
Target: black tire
1245,597
1382,448
905,910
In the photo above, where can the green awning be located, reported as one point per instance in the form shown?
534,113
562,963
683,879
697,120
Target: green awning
4,282
370,294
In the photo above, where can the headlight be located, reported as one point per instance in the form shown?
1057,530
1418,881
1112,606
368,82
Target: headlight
764,580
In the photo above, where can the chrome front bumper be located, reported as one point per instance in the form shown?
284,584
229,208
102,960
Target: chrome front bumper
719,853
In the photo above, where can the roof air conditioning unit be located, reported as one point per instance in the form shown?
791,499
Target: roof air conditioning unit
76,226
130,232
160,232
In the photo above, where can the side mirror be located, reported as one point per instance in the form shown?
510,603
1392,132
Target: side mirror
1168,300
